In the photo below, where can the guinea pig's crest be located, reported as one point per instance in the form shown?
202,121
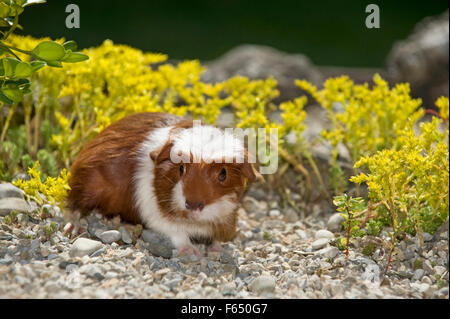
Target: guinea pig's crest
206,144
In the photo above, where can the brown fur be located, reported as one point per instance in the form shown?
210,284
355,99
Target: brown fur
99,172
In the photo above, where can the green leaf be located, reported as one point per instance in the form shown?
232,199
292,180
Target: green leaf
36,65
76,57
70,45
9,64
5,99
55,64
49,51
23,70
13,94
30,2
4,10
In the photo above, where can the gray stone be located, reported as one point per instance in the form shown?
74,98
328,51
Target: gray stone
98,252
8,190
35,244
324,234
252,206
90,270
13,203
301,234
328,252
439,270
274,213
157,243
418,274
320,243
71,267
110,236
291,215
52,256
229,289
428,267
263,284
126,236
427,237
260,62
335,222
84,246
422,59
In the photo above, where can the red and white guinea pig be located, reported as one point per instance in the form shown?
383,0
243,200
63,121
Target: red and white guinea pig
128,170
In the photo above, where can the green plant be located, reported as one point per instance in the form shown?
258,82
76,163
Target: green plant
14,72
351,209
11,218
50,229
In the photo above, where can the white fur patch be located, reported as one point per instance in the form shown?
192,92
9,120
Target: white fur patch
216,211
208,144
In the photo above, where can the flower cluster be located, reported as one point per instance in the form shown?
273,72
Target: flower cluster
53,190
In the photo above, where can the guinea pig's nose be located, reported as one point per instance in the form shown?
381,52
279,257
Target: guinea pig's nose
194,205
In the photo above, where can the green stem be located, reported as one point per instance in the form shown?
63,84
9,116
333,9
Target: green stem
8,120
13,27
313,165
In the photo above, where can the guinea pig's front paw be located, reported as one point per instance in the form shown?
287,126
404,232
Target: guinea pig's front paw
215,247
189,250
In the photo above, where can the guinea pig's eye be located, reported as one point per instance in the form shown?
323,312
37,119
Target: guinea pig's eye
222,175
181,170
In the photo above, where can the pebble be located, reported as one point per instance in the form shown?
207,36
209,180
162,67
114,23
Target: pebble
324,234
8,190
84,246
427,237
126,236
319,243
229,289
439,270
263,284
274,213
335,222
291,215
418,274
98,252
328,252
301,234
158,244
428,267
110,236
13,203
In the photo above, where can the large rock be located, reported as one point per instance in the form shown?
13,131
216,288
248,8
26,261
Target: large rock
260,62
423,59
7,205
9,190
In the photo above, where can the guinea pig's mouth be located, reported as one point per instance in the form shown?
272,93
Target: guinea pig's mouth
211,212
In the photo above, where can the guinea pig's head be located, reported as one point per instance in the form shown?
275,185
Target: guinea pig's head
201,177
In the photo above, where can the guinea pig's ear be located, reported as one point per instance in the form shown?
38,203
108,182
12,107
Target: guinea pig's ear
161,154
251,173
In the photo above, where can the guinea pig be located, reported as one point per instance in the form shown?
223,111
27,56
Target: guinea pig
172,176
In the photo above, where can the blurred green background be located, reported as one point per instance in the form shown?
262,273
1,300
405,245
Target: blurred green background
329,32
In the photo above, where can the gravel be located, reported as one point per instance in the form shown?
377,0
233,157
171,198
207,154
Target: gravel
270,257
